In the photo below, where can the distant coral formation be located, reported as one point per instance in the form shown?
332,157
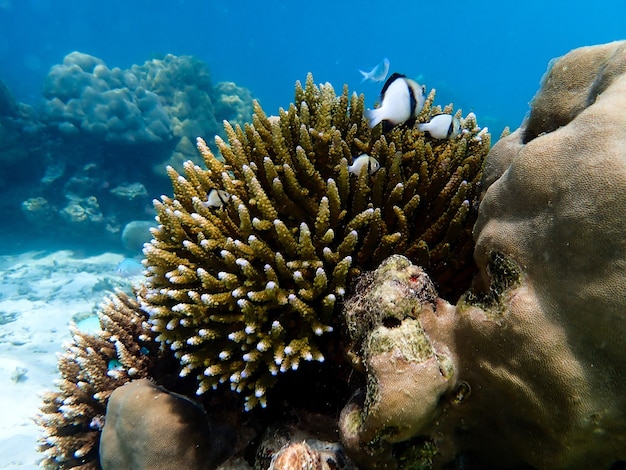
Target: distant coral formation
20,137
100,140
84,95
158,101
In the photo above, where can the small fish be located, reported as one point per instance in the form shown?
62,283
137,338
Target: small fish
129,267
441,126
401,99
217,198
378,73
361,161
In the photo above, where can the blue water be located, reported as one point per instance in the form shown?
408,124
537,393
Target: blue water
485,56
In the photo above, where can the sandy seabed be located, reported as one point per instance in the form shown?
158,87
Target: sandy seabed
40,294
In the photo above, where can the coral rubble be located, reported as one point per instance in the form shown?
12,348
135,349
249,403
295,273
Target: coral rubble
246,289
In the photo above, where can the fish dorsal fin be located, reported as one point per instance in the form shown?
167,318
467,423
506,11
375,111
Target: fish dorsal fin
394,76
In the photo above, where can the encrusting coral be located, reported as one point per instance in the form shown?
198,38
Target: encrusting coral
527,370
244,287
91,368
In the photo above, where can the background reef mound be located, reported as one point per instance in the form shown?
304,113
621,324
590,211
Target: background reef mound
248,289
102,138
163,100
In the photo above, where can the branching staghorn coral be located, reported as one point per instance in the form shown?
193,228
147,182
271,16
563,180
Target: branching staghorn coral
92,367
242,287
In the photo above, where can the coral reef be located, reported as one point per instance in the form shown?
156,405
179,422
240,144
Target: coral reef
249,263
527,369
102,138
245,288
92,367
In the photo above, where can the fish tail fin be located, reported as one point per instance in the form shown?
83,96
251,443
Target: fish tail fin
373,116
366,75
422,126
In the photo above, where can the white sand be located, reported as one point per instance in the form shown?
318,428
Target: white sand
40,293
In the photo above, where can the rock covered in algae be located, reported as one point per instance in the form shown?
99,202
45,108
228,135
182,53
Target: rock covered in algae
244,287
407,375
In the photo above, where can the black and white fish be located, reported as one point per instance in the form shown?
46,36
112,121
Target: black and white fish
401,99
378,73
441,126
361,161
217,198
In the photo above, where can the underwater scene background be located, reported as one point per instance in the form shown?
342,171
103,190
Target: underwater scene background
195,202
485,57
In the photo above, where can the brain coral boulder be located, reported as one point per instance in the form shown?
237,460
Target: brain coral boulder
253,254
532,360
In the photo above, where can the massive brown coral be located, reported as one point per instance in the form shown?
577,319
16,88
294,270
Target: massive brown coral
528,369
244,286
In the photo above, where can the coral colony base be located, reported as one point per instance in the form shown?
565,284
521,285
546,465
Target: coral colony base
316,246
